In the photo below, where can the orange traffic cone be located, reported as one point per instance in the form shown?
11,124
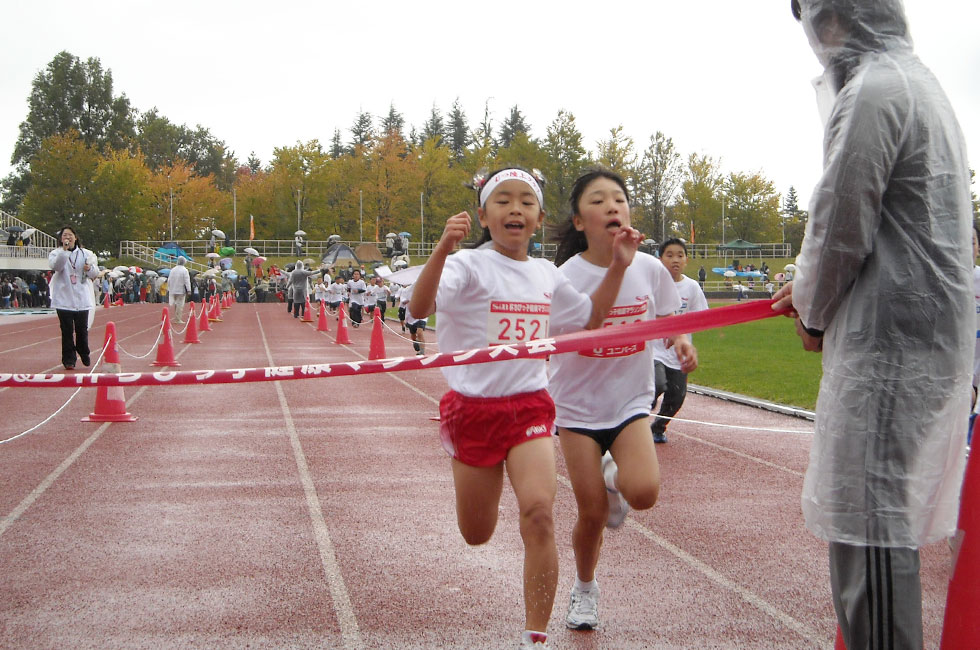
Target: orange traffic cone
322,324
342,335
190,334
214,315
961,626
110,401
106,303
165,351
16,304
204,326
119,302
377,349
217,308
307,312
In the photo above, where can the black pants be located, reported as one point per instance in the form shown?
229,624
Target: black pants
382,306
672,384
74,335
299,307
355,313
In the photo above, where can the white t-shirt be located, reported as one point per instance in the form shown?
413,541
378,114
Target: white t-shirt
353,287
692,299
486,298
406,297
336,291
601,388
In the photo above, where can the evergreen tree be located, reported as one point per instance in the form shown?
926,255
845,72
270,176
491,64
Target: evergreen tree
361,132
483,136
254,164
434,127
458,132
394,122
790,203
513,125
336,145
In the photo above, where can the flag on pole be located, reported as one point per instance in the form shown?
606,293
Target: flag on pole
692,232
251,227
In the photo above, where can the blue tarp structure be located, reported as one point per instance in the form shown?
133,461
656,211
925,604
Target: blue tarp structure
169,252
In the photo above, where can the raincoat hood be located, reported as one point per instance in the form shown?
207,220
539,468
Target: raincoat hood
842,31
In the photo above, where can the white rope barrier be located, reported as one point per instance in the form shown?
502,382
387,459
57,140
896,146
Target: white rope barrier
152,347
62,407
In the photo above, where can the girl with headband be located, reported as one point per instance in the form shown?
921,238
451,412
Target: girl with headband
603,396
499,415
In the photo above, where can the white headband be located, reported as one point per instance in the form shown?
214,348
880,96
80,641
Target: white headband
510,175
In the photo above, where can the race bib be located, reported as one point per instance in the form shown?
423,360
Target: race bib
620,316
517,322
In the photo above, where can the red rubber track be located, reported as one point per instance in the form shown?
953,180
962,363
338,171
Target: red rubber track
320,514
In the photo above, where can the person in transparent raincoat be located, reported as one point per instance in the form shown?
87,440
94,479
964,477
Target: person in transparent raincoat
883,286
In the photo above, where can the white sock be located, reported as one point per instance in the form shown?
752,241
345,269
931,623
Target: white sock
585,586
530,636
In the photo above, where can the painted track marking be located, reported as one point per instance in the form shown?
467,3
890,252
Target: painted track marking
741,454
331,568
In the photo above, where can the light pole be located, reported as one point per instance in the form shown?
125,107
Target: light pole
722,219
299,196
234,212
360,194
422,223
171,208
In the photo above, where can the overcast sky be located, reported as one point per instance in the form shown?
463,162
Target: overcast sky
723,77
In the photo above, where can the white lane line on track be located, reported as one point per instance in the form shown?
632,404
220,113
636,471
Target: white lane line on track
740,454
331,568
49,480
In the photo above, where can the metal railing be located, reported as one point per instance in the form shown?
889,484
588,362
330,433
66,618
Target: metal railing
149,257
766,250
41,242
315,248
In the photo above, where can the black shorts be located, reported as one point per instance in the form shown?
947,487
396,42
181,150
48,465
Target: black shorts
606,437
416,326
401,313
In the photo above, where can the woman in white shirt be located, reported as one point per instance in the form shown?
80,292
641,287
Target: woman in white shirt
72,294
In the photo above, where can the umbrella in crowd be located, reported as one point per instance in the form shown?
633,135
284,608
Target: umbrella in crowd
150,274
225,263
218,233
308,262
251,251
300,233
227,251
729,274
404,234
258,261
212,255
27,233
14,229
164,272
790,267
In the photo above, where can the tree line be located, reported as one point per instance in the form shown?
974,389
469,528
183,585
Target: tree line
84,155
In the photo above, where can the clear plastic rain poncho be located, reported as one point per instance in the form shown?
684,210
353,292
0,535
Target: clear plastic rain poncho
885,271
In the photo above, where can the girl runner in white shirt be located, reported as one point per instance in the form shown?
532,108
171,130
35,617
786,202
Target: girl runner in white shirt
602,397
499,414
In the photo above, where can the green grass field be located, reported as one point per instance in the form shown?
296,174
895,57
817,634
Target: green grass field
763,359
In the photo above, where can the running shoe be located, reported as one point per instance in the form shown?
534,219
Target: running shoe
618,508
659,437
583,610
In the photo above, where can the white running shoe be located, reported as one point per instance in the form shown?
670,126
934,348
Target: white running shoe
583,610
618,508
